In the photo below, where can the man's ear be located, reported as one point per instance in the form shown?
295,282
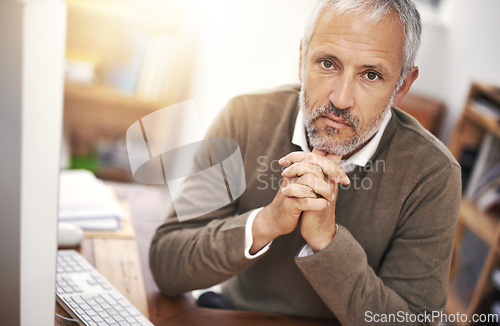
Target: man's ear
403,90
300,61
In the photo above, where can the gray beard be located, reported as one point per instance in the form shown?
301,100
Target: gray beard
330,143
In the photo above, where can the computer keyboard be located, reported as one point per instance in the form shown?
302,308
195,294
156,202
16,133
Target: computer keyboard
87,296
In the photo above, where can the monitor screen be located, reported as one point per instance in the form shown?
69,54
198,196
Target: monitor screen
32,37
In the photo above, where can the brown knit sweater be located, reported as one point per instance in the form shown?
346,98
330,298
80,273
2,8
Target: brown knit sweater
392,251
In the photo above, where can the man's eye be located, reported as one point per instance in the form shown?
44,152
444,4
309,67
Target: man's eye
326,64
372,75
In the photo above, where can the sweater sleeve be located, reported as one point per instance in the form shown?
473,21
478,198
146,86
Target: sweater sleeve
411,282
205,250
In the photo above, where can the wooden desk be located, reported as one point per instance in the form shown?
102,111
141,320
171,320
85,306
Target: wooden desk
231,317
148,207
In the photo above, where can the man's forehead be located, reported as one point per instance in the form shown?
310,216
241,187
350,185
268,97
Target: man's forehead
390,17
383,38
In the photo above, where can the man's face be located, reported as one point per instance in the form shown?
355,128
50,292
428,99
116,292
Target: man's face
351,70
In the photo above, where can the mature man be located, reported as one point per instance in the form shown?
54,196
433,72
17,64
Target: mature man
362,224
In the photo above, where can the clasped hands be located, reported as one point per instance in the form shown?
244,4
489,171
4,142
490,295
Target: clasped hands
307,196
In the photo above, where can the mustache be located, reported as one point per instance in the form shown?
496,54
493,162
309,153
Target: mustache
344,114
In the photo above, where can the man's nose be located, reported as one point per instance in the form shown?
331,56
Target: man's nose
342,92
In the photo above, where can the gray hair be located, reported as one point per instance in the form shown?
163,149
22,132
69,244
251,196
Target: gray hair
374,10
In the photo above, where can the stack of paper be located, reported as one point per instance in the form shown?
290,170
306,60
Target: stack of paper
87,202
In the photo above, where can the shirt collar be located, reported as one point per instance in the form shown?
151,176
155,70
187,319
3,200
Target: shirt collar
360,158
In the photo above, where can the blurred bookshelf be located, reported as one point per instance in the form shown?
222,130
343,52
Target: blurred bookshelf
475,143
428,111
124,60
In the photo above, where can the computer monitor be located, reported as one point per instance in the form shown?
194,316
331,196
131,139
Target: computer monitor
32,39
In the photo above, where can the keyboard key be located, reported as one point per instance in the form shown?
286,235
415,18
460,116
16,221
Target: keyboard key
119,320
130,320
109,320
124,313
97,319
105,306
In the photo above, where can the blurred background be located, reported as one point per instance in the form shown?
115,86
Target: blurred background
126,58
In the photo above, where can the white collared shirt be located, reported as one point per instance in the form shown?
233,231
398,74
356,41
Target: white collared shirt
360,158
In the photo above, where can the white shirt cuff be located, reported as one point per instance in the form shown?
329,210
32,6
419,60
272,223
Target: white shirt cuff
307,250
249,237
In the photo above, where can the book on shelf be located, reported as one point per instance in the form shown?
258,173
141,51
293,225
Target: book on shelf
486,168
486,107
471,257
123,73
488,200
148,67
81,66
157,66
86,201
467,160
